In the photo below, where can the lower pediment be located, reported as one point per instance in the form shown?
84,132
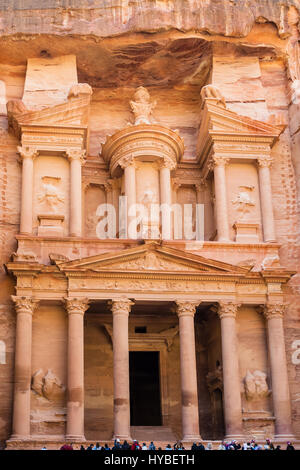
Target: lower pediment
150,257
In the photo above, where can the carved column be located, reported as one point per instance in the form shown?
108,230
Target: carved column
120,310
166,197
264,164
200,188
177,220
189,393
279,375
75,397
25,307
115,199
231,377
128,165
76,158
219,164
28,155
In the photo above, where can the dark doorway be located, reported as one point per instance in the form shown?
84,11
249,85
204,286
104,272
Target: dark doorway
145,409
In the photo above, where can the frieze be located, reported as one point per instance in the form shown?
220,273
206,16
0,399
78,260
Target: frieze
151,285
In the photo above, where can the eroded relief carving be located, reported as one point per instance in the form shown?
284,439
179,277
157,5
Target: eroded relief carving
142,107
47,385
211,92
243,201
152,262
255,384
51,198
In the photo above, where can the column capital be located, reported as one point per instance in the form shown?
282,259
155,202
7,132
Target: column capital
76,305
27,152
126,161
271,310
25,304
186,308
218,160
76,154
228,309
167,162
264,161
121,306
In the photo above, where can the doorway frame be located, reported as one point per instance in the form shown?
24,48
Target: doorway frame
144,345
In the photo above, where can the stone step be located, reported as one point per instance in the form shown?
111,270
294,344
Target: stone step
152,433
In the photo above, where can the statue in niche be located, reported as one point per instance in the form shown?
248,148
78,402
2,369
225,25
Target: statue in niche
51,198
142,107
255,384
243,200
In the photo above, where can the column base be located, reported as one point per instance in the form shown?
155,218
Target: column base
285,437
122,438
75,438
234,437
19,437
191,438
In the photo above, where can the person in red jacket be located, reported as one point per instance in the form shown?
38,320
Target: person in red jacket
67,447
135,445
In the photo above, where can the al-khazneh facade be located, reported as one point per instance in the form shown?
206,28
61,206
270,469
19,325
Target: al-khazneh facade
151,332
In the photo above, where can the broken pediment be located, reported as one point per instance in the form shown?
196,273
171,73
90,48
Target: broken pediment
220,124
73,112
151,257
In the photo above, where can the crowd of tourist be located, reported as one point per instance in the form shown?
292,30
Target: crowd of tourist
232,445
